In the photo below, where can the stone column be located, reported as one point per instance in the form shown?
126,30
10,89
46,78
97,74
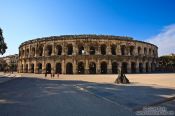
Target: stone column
74,49
86,49
74,67
53,65
35,67
63,66
35,51
44,50
43,67
86,67
118,51
98,67
137,67
98,50
53,50
109,67
108,50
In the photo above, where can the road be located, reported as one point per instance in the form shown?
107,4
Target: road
39,97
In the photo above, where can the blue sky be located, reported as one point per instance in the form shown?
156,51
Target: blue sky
144,20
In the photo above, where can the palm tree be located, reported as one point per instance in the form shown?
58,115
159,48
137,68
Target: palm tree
3,45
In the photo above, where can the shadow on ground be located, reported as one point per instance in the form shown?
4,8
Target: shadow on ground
62,97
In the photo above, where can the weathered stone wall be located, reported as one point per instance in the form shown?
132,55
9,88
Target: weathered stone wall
75,55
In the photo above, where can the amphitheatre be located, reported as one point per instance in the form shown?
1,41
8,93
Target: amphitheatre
86,54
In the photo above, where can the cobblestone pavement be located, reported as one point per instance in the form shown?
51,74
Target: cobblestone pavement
39,97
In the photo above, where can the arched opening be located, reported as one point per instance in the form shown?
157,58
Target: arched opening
32,68
27,53
113,50
69,49
123,50
124,67
150,52
92,68
147,67
69,68
103,68
40,52
103,49
139,50
131,50
92,50
140,67
59,50
48,68
114,68
39,68
133,67
26,68
145,51
49,50
80,50
58,68
33,51
80,68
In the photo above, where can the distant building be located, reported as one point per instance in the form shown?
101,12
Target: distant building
10,61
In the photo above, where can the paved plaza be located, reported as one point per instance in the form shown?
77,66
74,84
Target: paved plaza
29,96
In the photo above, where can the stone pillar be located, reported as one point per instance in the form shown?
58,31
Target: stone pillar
86,67
53,66
86,49
74,67
35,67
35,51
137,67
29,67
53,50
98,67
44,47
109,67
63,67
74,49
118,51
98,50
108,50
43,67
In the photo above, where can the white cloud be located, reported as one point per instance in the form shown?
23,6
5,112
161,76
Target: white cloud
165,40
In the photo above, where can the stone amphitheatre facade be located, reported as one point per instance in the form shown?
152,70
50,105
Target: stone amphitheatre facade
86,54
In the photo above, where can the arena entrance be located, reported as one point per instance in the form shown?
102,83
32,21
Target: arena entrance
133,67
26,68
140,67
32,68
39,68
92,68
124,67
103,68
58,68
80,68
114,68
147,67
48,68
69,68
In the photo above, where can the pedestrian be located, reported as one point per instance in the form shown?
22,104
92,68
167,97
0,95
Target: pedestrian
51,75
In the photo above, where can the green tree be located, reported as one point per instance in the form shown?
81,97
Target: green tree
3,45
